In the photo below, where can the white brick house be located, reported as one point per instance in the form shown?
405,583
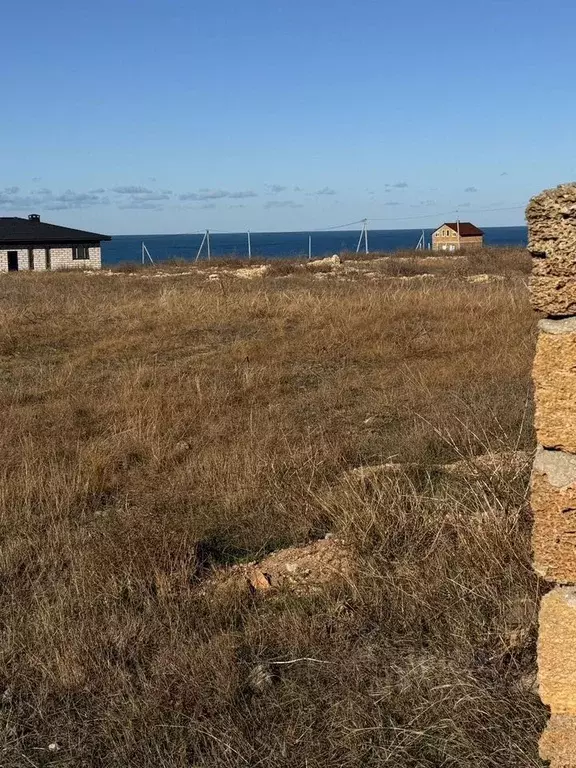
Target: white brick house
27,244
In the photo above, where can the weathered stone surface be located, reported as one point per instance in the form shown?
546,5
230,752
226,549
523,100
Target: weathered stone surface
559,467
554,504
554,296
558,742
554,267
554,376
551,218
557,651
556,327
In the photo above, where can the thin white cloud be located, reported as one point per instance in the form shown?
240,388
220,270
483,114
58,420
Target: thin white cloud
282,204
131,190
46,199
141,205
217,194
151,197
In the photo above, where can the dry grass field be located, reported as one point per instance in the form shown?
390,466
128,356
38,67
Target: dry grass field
159,426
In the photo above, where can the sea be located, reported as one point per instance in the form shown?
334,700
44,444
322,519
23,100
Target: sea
278,245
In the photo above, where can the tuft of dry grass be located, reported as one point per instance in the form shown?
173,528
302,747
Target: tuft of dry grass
509,261
156,429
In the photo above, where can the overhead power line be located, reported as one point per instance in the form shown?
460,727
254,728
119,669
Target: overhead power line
448,213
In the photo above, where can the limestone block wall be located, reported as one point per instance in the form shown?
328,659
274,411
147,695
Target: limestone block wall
552,242
443,242
59,258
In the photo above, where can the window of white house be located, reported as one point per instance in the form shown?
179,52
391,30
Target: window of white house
80,253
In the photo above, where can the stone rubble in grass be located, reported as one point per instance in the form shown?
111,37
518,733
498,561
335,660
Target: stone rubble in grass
484,278
249,273
330,262
475,467
302,570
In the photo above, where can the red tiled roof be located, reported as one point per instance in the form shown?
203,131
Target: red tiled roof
466,229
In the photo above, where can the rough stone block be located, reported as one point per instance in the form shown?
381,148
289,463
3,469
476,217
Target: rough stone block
557,651
554,268
551,218
553,501
554,296
558,742
554,375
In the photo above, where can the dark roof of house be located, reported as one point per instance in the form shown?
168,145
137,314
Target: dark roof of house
466,229
18,231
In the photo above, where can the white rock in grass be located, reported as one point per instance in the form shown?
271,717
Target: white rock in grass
330,262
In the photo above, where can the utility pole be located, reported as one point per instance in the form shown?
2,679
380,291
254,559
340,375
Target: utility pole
249,246
360,239
458,227
363,234
146,252
208,243
201,246
309,247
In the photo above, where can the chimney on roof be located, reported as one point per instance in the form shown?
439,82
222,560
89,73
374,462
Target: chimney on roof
34,217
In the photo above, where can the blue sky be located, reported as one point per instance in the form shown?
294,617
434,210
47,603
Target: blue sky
174,116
